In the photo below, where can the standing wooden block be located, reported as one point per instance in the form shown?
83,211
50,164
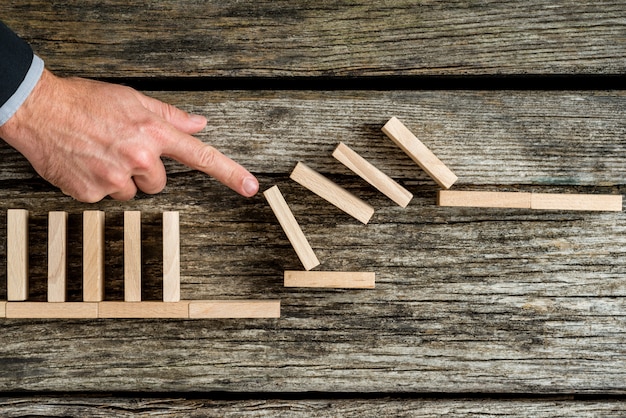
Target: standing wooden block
415,149
330,279
234,309
291,227
132,256
171,257
63,310
368,172
17,254
93,256
57,256
150,309
481,199
590,202
333,193
3,309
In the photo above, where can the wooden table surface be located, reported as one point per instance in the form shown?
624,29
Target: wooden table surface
475,311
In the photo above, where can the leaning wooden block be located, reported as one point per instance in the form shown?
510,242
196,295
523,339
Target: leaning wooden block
3,309
132,256
291,227
330,279
481,199
419,153
333,193
234,309
93,256
17,254
52,310
368,172
149,309
57,256
585,202
171,257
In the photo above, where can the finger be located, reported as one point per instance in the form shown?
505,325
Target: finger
181,120
153,180
125,193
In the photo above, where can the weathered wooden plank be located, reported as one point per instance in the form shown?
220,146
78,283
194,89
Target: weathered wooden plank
360,38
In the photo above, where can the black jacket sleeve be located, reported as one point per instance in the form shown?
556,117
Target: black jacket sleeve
16,57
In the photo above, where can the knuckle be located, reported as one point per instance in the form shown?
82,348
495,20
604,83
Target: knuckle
206,157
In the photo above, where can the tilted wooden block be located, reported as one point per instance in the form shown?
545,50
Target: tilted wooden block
332,192
171,257
291,227
234,309
330,279
132,256
583,202
93,256
146,309
57,256
423,156
52,310
482,199
368,172
17,254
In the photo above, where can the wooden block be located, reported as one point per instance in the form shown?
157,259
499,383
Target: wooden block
330,279
52,310
93,256
587,202
17,254
234,309
291,227
149,309
333,193
368,172
57,256
3,309
480,199
171,257
415,149
132,256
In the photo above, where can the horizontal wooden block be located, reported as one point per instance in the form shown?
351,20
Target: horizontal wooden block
61,310
3,309
481,199
146,309
330,279
234,309
332,192
419,153
368,172
584,202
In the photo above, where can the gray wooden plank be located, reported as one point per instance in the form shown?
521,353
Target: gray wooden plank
184,38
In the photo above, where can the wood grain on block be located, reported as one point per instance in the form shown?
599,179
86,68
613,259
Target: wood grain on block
584,202
291,227
3,309
57,256
234,309
171,256
52,310
482,199
145,309
423,156
330,279
132,256
368,172
93,256
333,193
17,254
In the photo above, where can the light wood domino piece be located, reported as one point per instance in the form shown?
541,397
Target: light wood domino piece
330,279
17,254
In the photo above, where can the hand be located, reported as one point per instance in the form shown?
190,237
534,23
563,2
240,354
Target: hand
93,139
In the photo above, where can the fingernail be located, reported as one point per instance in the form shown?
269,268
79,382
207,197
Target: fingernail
197,118
250,186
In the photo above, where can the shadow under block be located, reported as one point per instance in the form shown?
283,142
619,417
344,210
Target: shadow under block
584,202
61,310
17,254
333,193
93,256
171,257
330,279
57,256
132,256
234,309
480,199
424,157
291,227
368,172
146,309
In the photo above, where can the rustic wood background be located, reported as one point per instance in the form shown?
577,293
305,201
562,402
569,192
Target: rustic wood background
476,311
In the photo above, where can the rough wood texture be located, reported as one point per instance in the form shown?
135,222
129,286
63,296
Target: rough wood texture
358,38
57,256
17,254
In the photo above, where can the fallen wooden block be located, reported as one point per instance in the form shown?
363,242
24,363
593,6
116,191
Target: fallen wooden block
171,257
333,193
93,256
583,202
234,309
57,256
368,172
291,227
62,310
132,256
17,254
481,199
145,309
419,153
330,279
